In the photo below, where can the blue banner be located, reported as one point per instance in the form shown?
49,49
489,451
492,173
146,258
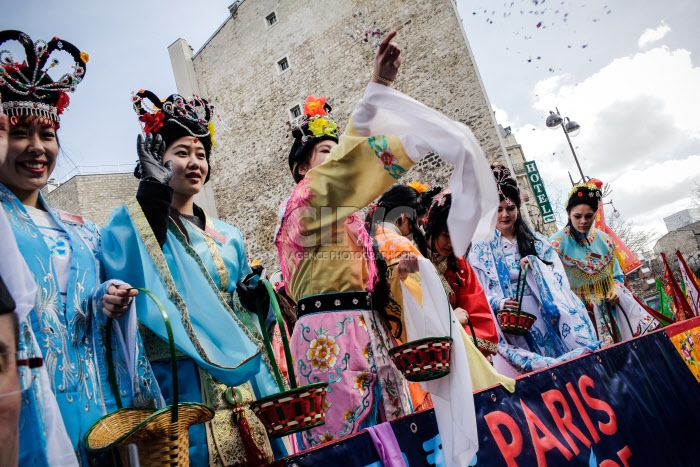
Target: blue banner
417,436
636,403
632,404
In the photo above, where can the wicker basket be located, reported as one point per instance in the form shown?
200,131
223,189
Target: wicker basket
290,411
516,322
161,435
423,359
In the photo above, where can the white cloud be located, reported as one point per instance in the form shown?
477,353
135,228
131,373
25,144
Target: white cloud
640,131
650,36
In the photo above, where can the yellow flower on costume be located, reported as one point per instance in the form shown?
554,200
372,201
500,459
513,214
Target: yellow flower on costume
418,186
84,57
360,382
348,413
326,437
366,352
322,126
323,353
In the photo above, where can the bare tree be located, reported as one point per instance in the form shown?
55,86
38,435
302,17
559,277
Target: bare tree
636,238
695,194
558,199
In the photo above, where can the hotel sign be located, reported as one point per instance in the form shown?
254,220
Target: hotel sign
533,176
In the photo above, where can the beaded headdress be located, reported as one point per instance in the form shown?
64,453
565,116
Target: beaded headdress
315,124
584,193
26,88
175,117
194,115
508,190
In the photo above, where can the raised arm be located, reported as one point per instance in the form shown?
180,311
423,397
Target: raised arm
154,194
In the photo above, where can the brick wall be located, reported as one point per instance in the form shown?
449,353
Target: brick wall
93,196
237,69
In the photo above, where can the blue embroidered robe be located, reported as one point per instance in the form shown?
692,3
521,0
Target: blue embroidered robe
195,286
71,333
562,329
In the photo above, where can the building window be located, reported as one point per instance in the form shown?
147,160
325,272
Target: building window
283,64
271,19
295,111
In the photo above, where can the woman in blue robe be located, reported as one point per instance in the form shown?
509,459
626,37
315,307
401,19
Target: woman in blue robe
163,241
68,326
593,270
562,329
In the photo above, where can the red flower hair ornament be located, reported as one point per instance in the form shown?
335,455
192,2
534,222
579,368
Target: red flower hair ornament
63,102
314,106
152,122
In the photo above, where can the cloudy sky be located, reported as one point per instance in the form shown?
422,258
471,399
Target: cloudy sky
626,70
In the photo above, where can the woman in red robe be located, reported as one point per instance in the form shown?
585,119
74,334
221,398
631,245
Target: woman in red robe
463,288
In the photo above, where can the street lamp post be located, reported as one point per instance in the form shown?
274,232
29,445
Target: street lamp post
568,126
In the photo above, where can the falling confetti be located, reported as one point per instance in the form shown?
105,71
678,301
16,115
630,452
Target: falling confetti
546,16
367,34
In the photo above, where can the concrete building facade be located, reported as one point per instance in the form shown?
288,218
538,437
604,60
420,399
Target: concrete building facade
268,55
517,159
682,219
685,239
92,196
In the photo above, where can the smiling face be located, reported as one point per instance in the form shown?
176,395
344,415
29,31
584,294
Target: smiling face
582,217
190,165
507,215
31,158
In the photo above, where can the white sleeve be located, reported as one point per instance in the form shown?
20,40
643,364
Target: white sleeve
383,110
14,270
20,283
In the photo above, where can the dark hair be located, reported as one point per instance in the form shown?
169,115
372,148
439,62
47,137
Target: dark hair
287,307
526,239
398,200
302,155
425,200
580,237
306,138
523,235
180,117
436,224
173,131
584,193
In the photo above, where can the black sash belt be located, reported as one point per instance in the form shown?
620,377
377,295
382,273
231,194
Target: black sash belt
337,301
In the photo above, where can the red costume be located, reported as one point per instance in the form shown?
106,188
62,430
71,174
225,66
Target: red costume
468,294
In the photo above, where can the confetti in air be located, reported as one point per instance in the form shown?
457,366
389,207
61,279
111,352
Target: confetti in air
367,31
545,15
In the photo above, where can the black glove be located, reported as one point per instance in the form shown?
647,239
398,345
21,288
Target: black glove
251,295
150,165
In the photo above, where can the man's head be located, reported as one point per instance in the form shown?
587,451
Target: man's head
10,394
